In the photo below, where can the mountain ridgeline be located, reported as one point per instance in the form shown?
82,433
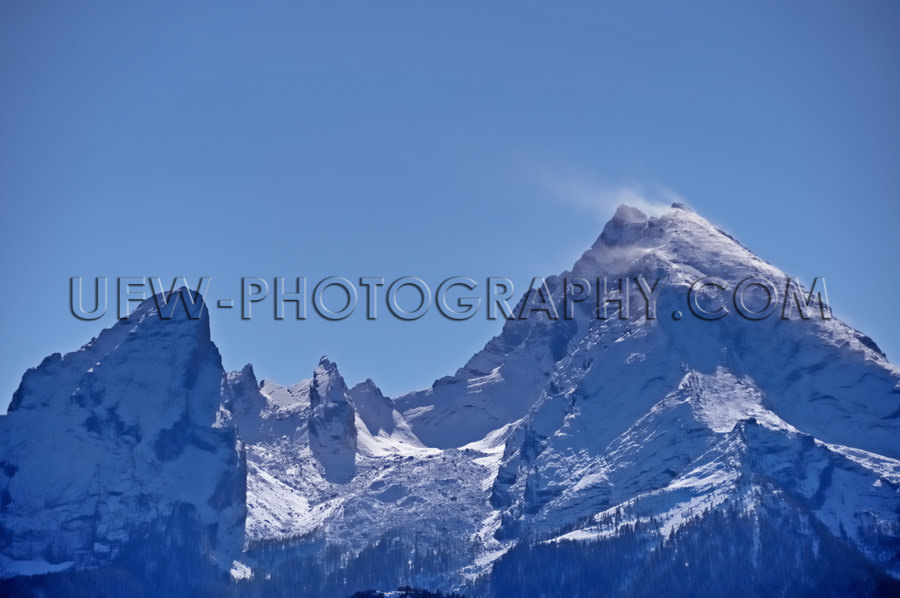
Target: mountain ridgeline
572,456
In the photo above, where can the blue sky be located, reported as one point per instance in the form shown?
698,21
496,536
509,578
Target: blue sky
429,139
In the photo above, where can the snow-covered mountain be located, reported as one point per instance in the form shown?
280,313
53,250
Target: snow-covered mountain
116,455
632,454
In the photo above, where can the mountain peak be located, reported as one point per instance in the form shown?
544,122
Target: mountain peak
331,423
245,378
629,223
167,322
139,406
678,241
629,215
326,375
326,364
327,384
626,226
367,385
180,305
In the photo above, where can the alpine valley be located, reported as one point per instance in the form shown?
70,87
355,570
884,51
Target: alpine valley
582,456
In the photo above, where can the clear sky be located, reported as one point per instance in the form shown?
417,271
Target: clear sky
431,139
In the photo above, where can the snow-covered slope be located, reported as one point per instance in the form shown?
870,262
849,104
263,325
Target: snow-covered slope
340,467
618,438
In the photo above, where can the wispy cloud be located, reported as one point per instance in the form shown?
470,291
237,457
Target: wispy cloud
601,199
